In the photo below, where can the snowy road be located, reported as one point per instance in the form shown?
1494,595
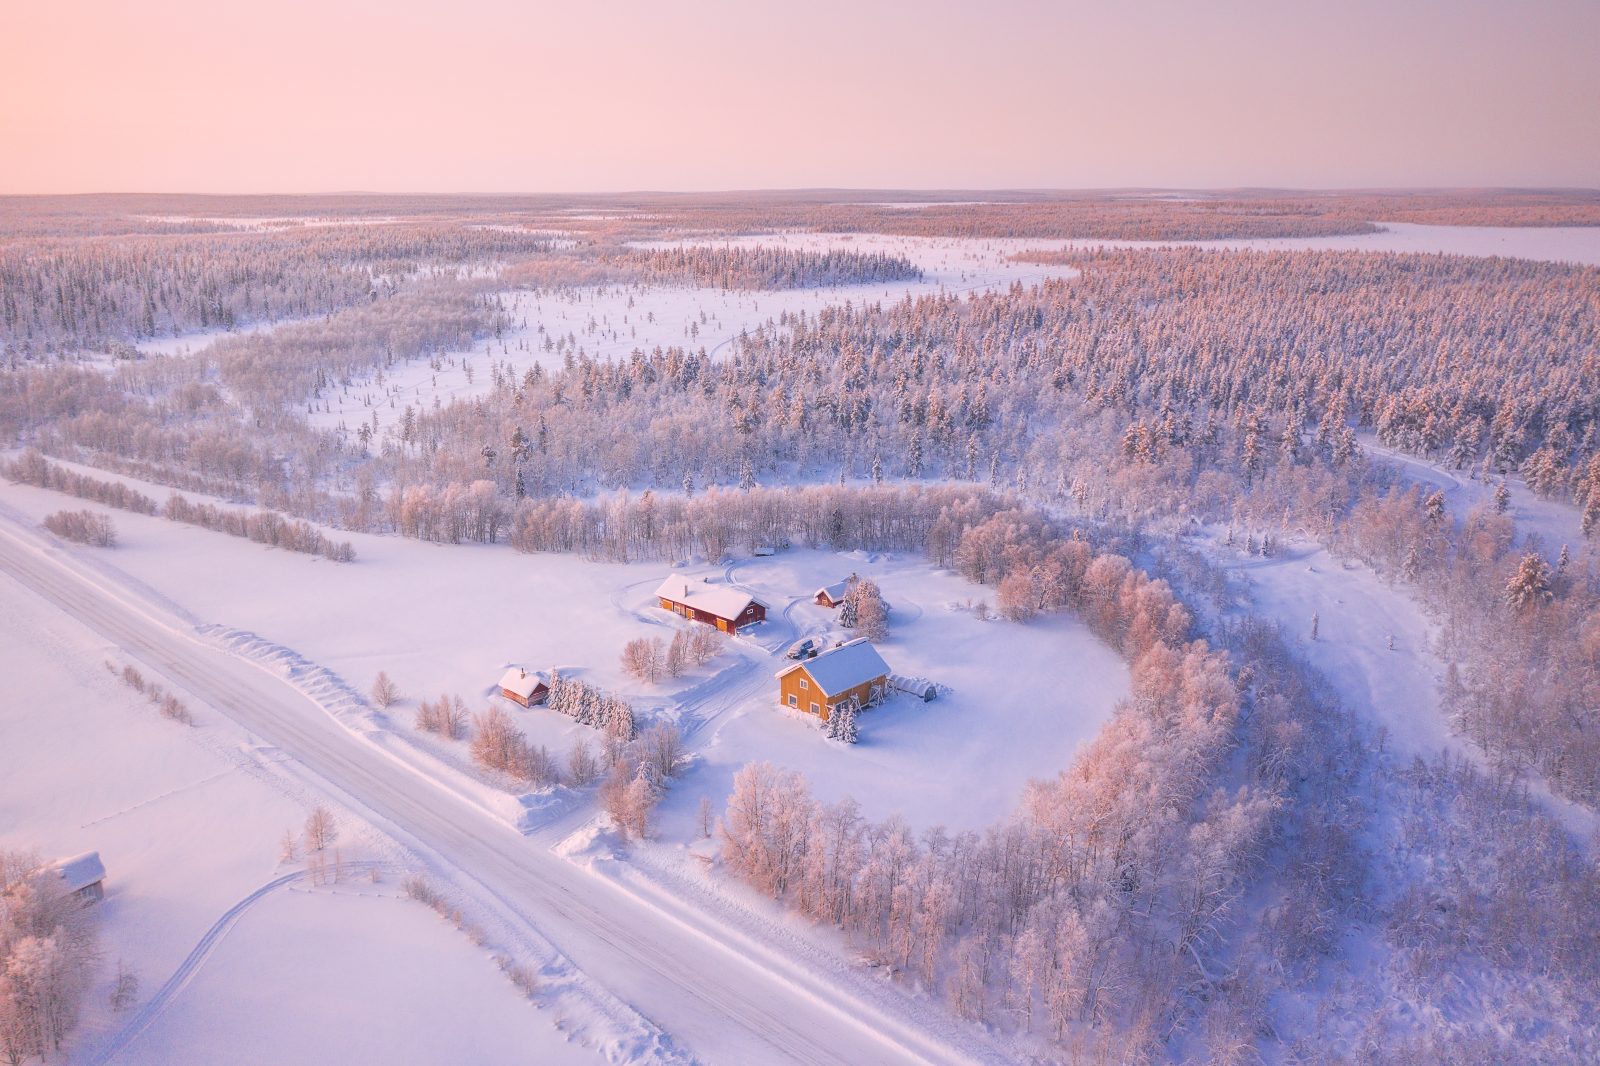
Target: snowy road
680,972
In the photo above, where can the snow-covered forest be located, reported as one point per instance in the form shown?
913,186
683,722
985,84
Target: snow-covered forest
1246,860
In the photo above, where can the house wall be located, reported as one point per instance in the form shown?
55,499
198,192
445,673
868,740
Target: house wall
753,614
789,685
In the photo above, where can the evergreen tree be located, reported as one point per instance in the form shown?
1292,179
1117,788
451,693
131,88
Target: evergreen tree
842,722
1529,587
848,610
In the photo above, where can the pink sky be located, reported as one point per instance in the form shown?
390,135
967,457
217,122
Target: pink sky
496,95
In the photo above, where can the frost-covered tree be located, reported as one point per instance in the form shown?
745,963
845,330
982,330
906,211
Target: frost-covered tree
320,830
864,610
1529,586
842,725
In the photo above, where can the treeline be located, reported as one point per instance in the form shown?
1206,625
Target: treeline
751,267
767,267
85,527
716,523
62,294
1153,217
263,527
620,527
31,468
1094,218
591,706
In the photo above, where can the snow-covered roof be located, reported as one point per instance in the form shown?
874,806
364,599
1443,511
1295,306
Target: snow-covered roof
81,871
834,591
724,601
522,682
839,669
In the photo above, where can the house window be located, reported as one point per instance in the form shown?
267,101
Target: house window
804,684
794,701
815,709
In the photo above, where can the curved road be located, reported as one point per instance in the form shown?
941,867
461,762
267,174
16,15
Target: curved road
680,973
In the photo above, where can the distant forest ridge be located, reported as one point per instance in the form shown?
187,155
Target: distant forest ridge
1099,214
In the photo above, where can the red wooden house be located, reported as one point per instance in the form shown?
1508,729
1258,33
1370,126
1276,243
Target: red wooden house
722,606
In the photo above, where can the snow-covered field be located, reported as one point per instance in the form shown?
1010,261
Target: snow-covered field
167,571
959,761
188,822
449,619
351,974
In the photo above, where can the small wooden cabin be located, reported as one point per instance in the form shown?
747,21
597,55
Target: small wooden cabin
833,595
853,670
722,606
520,686
84,876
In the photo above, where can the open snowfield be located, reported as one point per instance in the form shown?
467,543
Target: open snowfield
348,974
185,819
761,1008
450,619
188,822
1023,700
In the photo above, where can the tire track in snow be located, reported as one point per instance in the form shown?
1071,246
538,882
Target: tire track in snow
173,986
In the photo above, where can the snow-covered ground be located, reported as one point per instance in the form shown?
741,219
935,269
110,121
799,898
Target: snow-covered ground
687,972
188,822
184,819
1393,687
350,973
449,619
189,343
961,760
